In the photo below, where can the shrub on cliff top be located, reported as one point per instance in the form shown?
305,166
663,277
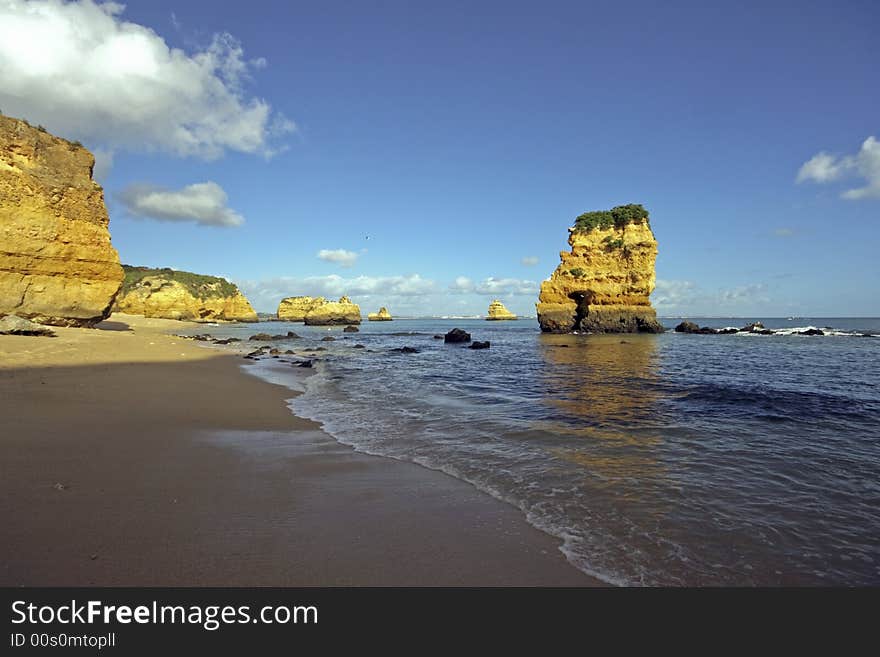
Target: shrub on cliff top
616,217
199,285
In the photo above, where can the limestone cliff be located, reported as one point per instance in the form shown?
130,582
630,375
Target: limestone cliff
171,294
334,312
57,265
382,316
294,309
602,285
497,311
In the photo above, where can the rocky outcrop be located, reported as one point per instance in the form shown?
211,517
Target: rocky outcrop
14,325
295,309
171,294
603,284
382,316
334,312
497,311
57,265
457,335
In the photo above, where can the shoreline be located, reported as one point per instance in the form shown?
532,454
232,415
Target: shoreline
137,458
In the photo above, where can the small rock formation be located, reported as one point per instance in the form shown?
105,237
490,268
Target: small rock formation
14,325
334,312
57,265
351,329
480,345
170,294
602,285
457,335
294,309
406,350
382,316
497,311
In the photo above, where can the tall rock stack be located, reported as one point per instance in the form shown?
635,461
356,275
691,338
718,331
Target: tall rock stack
603,284
57,265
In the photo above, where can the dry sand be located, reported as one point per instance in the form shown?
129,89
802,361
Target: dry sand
132,457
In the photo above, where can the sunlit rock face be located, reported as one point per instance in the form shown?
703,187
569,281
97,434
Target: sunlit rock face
57,265
334,312
497,311
295,309
603,284
382,316
170,294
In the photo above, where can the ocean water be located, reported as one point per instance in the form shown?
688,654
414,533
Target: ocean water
657,459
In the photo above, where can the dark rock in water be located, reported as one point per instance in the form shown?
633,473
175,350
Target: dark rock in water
763,332
274,352
258,352
292,335
359,346
811,331
320,349
260,337
201,338
227,341
351,329
289,352
687,327
438,337
480,345
406,350
15,325
305,363
328,338
754,327
457,335
727,331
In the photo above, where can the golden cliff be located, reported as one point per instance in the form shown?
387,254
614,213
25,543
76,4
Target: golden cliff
497,311
171,294
294,309
57,265
382,316
603,284
334,312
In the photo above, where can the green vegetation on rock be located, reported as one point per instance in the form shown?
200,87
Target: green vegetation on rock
199,285
617,217
577,272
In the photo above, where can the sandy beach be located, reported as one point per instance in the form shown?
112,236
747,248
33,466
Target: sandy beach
133,457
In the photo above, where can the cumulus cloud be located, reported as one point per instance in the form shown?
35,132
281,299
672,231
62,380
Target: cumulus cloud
339,256
530,261
686,297
494,286
824,167
84,72
202,203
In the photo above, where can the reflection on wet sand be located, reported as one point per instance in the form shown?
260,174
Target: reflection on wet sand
604,391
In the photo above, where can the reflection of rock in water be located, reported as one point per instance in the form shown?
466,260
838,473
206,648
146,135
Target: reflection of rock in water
605,391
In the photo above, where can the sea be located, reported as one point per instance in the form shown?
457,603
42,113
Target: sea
671,459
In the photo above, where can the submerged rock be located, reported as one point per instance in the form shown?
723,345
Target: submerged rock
604,283
479,345
58,265
811,331
328,338
351,329
406,350
497,312
261,337
457,335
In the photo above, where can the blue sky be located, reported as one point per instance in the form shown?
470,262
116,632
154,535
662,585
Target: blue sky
429,148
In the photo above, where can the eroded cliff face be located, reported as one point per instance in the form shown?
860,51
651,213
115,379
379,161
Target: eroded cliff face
334,312
382,316
497,311
57,265
294,309
603,284
170,294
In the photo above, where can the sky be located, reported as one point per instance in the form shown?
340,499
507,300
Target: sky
429,157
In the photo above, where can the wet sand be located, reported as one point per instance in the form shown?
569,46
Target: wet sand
131,457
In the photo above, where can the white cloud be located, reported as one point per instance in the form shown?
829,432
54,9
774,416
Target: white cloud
494,286
530,261
82,71
271,291
202,203
686,297
784,232
339,256
865,164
